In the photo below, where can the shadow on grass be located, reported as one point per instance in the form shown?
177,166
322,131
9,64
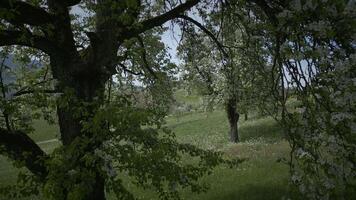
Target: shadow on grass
256,192
265,128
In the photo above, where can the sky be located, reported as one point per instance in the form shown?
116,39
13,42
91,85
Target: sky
171,38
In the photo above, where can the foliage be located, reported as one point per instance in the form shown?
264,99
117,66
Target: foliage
315,58
19,75
132,147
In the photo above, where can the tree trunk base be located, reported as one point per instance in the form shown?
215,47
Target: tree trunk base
234,134
98,190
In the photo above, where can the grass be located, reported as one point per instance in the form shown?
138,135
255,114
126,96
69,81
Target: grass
43,132
210,130
260,177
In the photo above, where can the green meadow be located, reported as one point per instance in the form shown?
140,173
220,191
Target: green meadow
261,176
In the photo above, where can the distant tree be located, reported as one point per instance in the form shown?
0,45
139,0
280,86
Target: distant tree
303,52
224,68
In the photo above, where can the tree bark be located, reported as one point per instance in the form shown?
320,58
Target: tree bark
71,128
98,192
87,94
233,118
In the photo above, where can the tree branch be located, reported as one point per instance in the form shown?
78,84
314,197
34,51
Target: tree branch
31,91
12,37
159,20
206,31
20,12
130,71
25,89
68,2
20,147
144,58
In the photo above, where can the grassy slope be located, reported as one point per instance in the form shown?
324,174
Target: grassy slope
261,177
42,132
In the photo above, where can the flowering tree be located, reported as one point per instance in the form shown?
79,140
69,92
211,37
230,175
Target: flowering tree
312,48
225,64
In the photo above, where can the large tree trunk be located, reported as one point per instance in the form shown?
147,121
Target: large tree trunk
233,118
98,193
71,129
87,87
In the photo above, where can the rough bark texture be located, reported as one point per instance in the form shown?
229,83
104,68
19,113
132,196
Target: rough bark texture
88,86
86,77
233,118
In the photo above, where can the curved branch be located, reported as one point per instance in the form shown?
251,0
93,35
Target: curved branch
159,20
20,147
12,37
129,71
206,31
68,2
31,91
19,12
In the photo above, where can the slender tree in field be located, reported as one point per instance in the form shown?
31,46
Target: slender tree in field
225,67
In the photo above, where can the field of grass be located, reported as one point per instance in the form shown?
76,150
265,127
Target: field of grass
262,143
260,177
43,132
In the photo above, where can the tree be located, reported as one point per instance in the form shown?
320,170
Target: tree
225,67
300,46
311,54
83,57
